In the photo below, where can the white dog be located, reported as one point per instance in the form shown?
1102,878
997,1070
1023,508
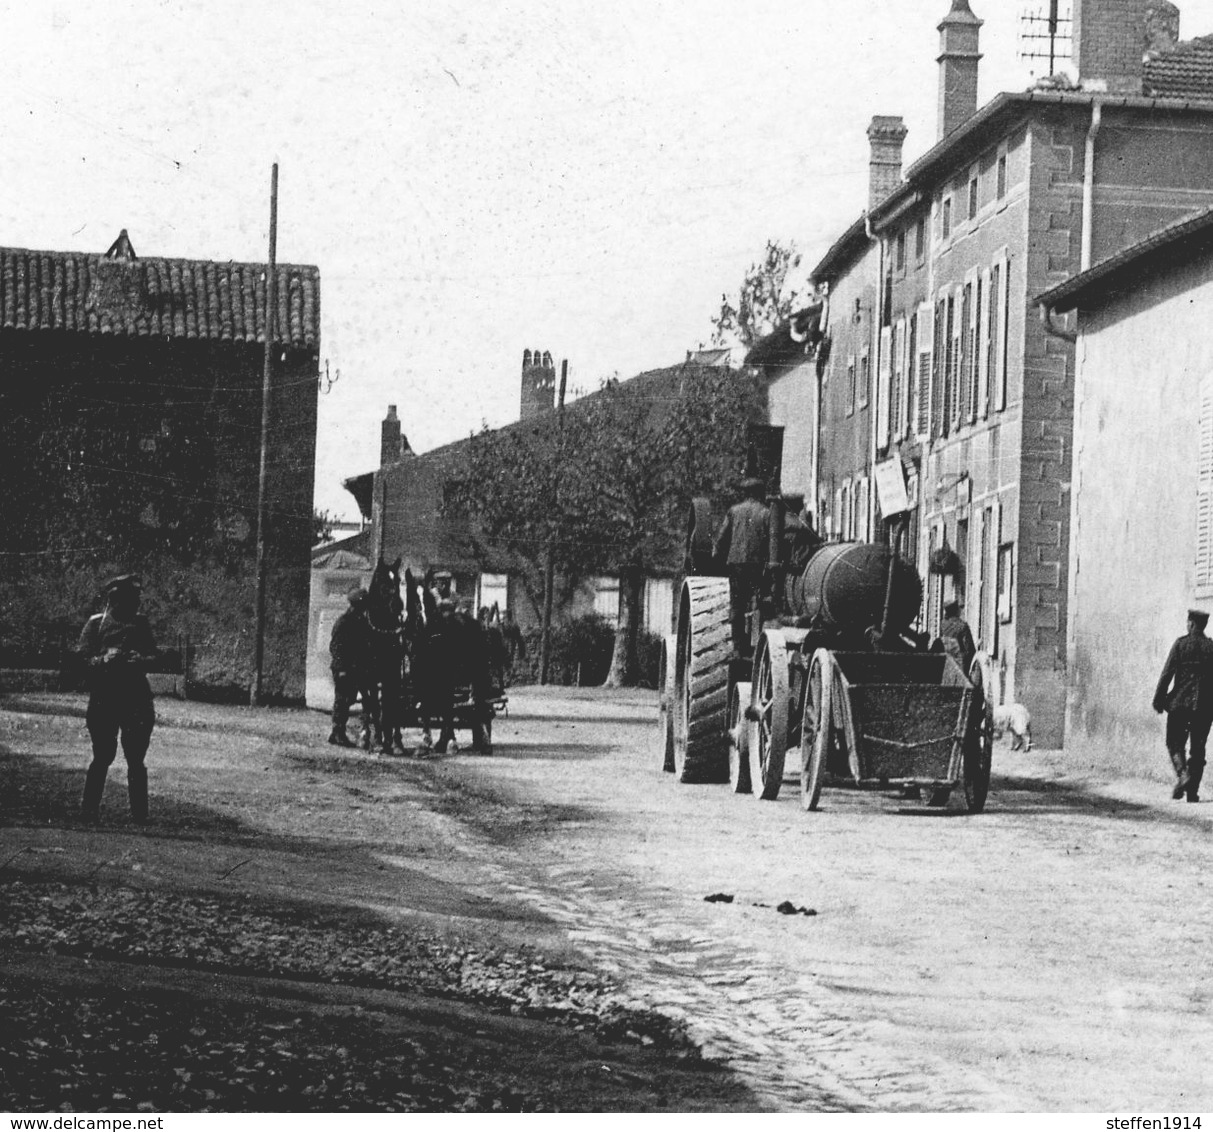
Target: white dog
1015,719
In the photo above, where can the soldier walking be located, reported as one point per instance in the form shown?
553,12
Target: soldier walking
1185,693
743,544
117,647
348,648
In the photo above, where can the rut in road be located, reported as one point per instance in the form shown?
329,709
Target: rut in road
797,1044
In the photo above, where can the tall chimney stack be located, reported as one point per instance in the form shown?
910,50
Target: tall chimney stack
1162,26
1109,43
886,135
391,439
538,384
958,59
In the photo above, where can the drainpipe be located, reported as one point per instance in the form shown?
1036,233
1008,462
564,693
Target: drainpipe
877,323
1047,314
1088,185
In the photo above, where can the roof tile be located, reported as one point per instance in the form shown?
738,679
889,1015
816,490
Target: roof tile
167,298
1185,71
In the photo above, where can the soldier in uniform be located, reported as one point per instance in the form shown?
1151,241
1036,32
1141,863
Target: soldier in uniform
1185,693
348,648
743,544
117,647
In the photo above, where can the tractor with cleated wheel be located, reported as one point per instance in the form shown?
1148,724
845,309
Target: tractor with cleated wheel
825,680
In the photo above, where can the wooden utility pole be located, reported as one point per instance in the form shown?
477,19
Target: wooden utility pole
271,309
549,572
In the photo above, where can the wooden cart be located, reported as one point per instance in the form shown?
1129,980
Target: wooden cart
895,719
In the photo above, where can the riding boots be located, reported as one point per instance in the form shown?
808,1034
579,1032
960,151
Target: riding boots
1181,771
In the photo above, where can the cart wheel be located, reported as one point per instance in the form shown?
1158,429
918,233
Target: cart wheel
701,681
769,712
664,745
979,745
815,730
739,738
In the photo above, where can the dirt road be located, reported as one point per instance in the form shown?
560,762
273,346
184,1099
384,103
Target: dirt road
1047,954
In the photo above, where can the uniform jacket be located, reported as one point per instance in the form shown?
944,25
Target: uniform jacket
957,640
350,642
1190,666
744,538
124,649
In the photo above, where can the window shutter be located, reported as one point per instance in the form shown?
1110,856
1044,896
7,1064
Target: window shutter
1204,490
939,368
956,318
897,394
984,306
865,509
1001,296
926,343
884,372
971,342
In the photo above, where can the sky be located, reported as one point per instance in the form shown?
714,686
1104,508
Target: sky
472,178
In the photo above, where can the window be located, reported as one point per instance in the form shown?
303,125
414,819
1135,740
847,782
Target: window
606,598
850,385
884,376
493,589
865,377
962,413
901,251
908,419
939,367
972,369
999,295
1000,190
920,239
956,335
946,217
659,606
1204,493
983,344
895,349
973,196
1006,580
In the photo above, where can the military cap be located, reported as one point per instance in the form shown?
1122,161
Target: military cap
440,574
1199,616
794,500
753,483
122,582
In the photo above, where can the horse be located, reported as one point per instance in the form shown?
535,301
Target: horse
384,612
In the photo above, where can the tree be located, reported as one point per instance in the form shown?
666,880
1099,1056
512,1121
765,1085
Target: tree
322,527
656,445
763,301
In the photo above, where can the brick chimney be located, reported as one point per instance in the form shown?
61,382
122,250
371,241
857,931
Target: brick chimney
886,135
392,442
958,59
538,384
1109,43
1162,26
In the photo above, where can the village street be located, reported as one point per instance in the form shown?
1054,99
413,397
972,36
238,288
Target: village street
1047,954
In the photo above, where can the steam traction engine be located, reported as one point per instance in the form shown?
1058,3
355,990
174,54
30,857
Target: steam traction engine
833,676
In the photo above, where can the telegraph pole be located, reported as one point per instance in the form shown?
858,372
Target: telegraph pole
549,572
271,309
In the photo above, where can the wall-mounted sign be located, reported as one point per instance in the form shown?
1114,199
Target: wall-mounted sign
891,487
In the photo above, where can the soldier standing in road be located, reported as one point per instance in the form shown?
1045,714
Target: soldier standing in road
800,541
743,543
348,647
1185,693
117,647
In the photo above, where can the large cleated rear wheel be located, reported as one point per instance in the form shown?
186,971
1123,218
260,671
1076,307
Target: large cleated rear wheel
769,715
815,729
664,739
979,744
701,681
739,738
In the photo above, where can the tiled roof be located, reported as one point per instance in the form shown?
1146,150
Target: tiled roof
155,298
1185,71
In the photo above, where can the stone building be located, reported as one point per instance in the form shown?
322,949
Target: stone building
971,393
1141,534
130,412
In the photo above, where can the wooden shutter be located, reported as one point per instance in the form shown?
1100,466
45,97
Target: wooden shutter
973,344
1204,490
884,376
983,347
1001,297
956,320
926,344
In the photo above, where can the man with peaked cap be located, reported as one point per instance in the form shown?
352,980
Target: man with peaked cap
743,544
348,647
800,541
117,648
1185,693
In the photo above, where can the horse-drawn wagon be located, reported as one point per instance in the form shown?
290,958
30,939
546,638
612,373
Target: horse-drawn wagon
431,667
